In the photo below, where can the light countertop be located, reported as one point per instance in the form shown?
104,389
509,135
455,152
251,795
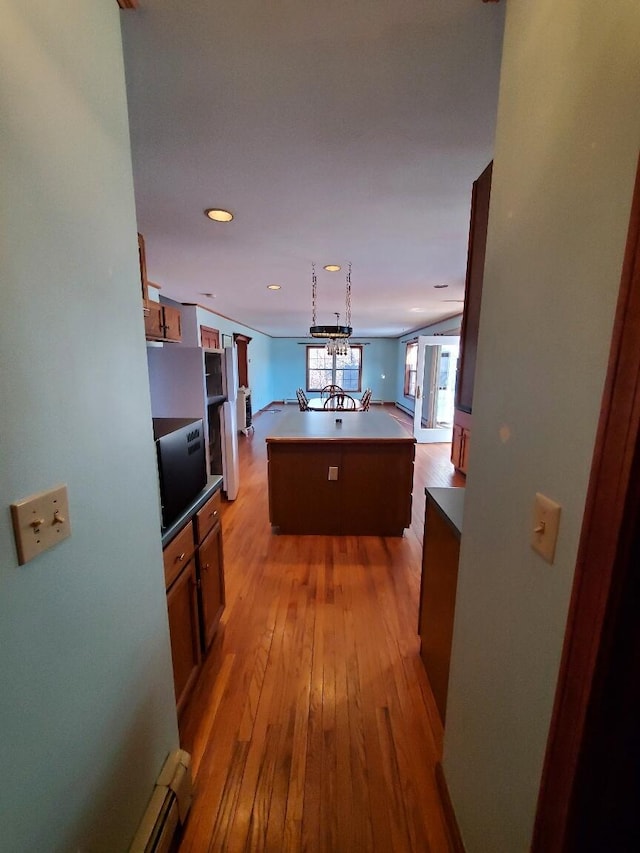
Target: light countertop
335,426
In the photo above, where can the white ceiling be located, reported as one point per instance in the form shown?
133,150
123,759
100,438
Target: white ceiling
336,131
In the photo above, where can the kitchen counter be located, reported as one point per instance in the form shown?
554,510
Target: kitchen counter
349,478
326,426
214,484
450,503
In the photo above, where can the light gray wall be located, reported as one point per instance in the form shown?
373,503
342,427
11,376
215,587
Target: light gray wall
567,142
87,712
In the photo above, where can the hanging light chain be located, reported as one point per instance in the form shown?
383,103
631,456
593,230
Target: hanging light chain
347,316
314,294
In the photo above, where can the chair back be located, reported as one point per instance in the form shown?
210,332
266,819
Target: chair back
366,400
340,402
330,390
303,403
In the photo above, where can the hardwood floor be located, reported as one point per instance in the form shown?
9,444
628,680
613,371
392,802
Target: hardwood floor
312,726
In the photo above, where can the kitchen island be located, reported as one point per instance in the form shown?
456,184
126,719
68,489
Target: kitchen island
330,474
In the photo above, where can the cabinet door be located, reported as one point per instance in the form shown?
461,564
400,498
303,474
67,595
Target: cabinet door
209,338
172,326
153,320
210,561
182,606
456,446
439,583
464,450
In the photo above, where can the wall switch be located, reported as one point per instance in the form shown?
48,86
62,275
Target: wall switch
333,472
40,522
546,521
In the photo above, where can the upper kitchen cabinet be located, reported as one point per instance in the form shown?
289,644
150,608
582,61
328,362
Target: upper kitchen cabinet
161,322
471,319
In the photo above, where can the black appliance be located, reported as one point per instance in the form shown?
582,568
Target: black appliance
180,446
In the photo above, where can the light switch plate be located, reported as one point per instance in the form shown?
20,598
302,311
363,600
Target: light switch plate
546,523
40,522
333,472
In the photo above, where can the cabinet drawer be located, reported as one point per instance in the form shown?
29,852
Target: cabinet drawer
177,554
208,516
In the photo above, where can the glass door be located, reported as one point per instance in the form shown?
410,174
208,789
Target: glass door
435,387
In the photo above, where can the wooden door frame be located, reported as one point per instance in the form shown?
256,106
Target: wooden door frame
242,342
604,565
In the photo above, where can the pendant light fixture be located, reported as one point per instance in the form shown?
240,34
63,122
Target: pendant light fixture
338,335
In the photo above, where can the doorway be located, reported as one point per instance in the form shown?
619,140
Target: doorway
435,388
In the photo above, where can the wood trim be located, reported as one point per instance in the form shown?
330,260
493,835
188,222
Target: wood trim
154,285
594,609
132,4
456,844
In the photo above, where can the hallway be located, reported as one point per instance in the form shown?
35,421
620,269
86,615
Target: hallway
312,726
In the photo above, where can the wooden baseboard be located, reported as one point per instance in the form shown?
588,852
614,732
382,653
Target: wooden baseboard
456,844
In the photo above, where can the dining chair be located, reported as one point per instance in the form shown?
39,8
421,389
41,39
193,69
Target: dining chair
365,400
341,402
330,390
303,402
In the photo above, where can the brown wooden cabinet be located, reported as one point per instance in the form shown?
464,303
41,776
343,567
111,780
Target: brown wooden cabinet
349,476
210,568
461,441
184,630
161,322
209,338
194,578
471,318
211,584
438,587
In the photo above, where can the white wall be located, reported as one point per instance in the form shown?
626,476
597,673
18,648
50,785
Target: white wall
87,712
567,142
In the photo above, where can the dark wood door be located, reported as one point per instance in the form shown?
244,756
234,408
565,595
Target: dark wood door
588,798
242,343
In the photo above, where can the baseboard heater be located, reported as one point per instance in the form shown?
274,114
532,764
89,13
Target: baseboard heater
168,807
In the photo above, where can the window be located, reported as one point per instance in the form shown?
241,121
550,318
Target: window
343,370
410,369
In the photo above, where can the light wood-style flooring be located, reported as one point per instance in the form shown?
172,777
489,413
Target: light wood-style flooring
312,726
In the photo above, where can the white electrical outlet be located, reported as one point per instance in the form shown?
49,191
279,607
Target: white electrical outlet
40,522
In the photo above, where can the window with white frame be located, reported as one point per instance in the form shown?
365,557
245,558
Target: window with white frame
325,369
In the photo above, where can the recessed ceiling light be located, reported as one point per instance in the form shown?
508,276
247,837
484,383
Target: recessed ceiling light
219,215
418,310
332,267
274,287
440,286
